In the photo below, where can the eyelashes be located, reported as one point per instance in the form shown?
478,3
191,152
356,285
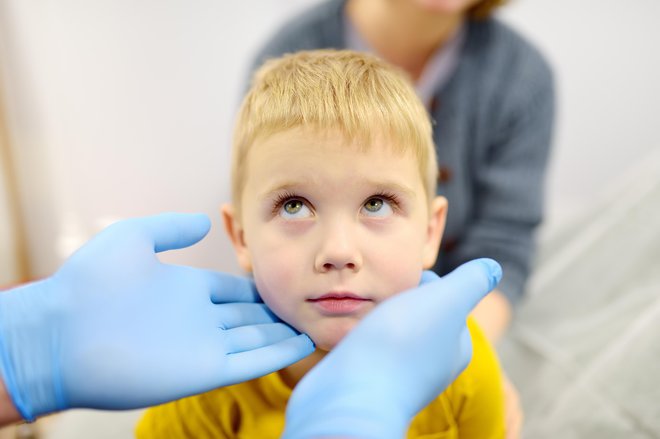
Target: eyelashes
281,199
284,197
392,198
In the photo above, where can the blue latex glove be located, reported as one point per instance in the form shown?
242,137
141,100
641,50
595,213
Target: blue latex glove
115,328
395,362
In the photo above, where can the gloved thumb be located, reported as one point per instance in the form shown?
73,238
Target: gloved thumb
170,231
472,281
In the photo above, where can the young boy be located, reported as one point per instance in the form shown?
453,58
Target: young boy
334,210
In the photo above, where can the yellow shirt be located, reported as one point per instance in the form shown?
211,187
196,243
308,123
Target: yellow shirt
471,407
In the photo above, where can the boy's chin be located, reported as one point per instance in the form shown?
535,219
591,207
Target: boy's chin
327,340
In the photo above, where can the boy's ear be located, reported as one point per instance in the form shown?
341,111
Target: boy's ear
435,229
236,234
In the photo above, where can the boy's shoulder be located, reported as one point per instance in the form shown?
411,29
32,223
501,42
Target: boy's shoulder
484,367
476,397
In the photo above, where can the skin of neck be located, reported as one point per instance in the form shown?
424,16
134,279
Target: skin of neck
8,412
294,373
402,32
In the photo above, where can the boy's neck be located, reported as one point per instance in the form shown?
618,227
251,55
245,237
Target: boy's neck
294,373
403,33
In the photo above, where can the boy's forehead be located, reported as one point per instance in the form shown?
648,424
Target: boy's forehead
291,160
321,149
303,152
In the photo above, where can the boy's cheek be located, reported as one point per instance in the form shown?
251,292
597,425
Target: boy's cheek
273,278
399,273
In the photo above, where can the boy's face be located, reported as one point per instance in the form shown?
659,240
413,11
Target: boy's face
329,231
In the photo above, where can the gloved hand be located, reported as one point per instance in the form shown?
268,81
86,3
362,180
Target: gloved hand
393,363
115,328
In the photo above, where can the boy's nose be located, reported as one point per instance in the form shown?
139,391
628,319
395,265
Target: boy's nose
338,251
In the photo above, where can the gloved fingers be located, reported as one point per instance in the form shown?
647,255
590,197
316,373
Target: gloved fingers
259,362
215,287
247,338
229,288
470,282
234,315
170,231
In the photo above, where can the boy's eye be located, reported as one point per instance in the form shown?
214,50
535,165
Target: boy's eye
294,209
377,207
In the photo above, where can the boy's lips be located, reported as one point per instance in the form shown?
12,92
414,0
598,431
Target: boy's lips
339,303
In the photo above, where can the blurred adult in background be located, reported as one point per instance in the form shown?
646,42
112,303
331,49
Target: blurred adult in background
490,94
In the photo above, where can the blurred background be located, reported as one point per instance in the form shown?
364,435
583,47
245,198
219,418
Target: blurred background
115,108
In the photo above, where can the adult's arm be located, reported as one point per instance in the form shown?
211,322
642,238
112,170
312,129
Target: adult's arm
509,166
494,314
509,200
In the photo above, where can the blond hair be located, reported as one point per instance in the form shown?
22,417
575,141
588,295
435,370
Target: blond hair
355,94
485,9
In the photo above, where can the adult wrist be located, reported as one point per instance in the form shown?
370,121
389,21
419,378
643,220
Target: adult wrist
346,415
28,340
342,426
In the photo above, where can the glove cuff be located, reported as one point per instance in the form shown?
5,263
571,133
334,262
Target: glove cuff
27,347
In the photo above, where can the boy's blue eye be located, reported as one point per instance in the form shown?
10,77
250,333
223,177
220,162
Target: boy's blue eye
377,207
294,209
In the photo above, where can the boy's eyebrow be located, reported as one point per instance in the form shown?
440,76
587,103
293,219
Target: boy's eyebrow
379,185
393,186
286,186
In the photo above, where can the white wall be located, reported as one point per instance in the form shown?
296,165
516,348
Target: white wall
607,63
121,108
9,265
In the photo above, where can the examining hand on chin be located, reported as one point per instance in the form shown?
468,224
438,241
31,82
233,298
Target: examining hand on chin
412,346
114,328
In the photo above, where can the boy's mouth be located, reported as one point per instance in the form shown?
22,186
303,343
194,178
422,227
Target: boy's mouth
339,303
